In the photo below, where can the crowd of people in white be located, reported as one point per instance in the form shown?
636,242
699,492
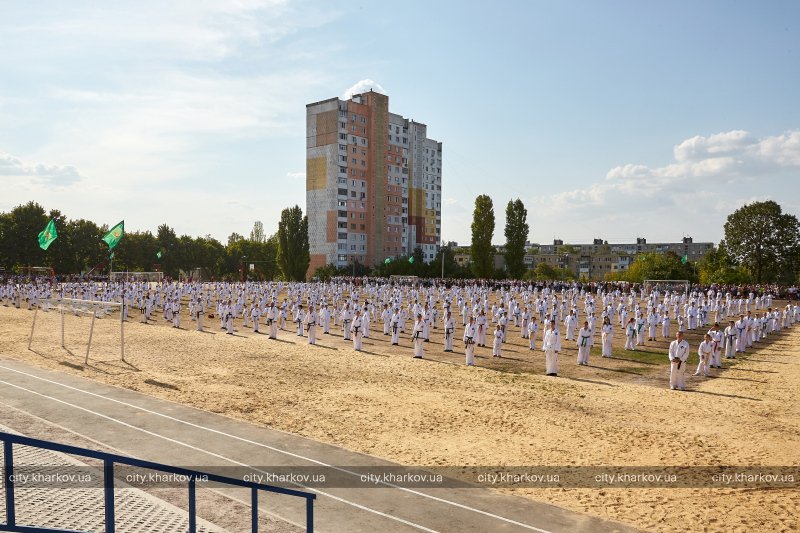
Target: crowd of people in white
409,308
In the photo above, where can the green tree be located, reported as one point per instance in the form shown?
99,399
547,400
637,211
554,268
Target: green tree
257,233
765,240
516,236
717,266
481,250
19,244
657,266
293,253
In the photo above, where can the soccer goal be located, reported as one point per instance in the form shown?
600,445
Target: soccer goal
82,308
128,277
673,286
34,272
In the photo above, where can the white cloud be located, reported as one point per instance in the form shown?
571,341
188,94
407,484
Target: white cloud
362,87
726,156
40,173
296,175
694,193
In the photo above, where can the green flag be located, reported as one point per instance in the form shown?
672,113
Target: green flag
387,260
113,237
411,259
48,235
684,259
158,254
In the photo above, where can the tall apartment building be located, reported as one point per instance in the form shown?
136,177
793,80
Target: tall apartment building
373,183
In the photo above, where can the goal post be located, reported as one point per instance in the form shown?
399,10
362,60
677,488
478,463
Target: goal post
34,272
679,286
129,277
82,308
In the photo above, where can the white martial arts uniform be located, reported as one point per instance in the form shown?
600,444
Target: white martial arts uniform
678,354
704,352
469,343
551,345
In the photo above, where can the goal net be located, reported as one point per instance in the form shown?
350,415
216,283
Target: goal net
80,310
34,273
156,277
662,286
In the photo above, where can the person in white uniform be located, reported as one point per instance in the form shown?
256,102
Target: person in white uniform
704,353
469,341
584,343
497,343
357,329
551,345
419,339
607,334
678,354
449,328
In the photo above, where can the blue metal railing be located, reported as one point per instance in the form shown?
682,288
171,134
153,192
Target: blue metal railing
109,460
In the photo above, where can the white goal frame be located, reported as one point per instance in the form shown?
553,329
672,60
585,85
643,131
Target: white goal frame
672,284
32,271
124,275
85,307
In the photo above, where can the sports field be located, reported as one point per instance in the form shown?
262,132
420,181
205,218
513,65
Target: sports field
503,412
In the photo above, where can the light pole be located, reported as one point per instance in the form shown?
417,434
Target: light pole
241,267
442,259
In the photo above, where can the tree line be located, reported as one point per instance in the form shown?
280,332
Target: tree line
761,245
79,248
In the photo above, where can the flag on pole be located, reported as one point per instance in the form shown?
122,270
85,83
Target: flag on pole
684,259
158,254
48,235
113,237
411,259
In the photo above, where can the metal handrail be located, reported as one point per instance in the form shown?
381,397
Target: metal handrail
109,460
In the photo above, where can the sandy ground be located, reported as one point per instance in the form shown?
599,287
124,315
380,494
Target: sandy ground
437,411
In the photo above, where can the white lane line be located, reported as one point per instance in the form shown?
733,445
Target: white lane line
126,453
278,450
222,457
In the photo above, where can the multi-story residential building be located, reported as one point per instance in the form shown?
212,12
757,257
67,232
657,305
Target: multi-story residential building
594,261
373,183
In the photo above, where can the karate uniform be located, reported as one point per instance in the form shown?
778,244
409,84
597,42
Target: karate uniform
419,326
497,344
272,322
449,328
704,352
630,335
469,343
607,335
678,354
730,342
640,323
357,328
533,328
716,344
584,345
298,320
395,325
310,321
551,345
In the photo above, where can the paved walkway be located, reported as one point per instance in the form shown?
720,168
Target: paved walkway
165,432
81,509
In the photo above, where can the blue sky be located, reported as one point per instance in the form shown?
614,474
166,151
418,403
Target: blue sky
608,119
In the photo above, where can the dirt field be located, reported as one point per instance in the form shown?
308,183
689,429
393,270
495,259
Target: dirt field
437,411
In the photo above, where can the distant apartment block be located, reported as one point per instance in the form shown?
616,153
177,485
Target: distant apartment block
594,261
373,183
